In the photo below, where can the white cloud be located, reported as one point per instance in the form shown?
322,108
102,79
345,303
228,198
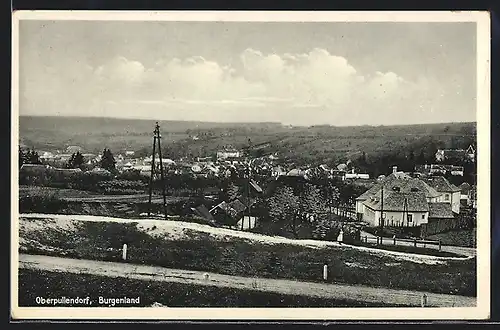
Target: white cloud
302,88
121,70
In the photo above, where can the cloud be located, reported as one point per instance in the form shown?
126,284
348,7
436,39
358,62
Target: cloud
299,88
121,70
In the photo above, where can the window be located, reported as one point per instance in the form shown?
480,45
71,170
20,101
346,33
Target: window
446,197
410,218
423,216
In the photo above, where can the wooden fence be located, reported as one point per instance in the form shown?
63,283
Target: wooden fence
402,241
436,226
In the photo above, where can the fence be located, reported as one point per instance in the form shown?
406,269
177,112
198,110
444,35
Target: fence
402,241
436,226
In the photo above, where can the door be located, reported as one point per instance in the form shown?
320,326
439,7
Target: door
409,219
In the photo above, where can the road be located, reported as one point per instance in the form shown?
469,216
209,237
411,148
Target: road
464,251
323,290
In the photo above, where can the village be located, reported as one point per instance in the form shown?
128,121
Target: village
235,189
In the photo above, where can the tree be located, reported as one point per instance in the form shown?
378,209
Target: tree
32,157
332,195
311,203
108,161
76,160
283,207
421,160
22,157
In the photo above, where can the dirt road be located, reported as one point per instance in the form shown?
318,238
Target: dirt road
333,291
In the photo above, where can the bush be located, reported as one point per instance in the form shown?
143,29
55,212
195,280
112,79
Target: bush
49,203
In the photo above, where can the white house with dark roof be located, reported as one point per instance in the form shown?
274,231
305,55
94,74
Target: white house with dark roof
396,208
405,201
450,193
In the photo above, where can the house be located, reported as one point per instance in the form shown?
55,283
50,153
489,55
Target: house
46,156
277,171
356,176
234,214
430,169
457,170
396,208
471,152
456,154
202,212
73,149
450,192
396,186
33,173
295,172
129,153
439,211
228,153
63,157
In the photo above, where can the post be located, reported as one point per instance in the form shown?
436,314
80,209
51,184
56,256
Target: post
161,171
325,272
415,242
424,300
394,239
439,245
151,179
366,239
124,252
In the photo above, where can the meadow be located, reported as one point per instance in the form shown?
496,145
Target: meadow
195,247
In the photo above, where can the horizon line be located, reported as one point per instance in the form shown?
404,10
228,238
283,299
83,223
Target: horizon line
244,122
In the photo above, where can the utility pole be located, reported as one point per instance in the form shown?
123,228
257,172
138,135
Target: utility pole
247,174
405,210
157,138
382,208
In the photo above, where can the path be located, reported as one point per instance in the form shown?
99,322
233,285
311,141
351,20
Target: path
465,251
331,291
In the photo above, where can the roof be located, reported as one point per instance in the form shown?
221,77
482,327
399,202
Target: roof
441,184
34,168
203,212
295,172
68,170
404,182
233,209
440,211
255,186
395,201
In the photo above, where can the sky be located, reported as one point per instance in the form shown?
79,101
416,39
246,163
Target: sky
332,73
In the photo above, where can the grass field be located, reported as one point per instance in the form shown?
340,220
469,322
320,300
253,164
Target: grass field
33,283
465,238
189,249
81,195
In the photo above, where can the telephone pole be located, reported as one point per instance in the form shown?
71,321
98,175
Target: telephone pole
157,139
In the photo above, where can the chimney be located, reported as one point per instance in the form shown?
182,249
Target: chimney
394,169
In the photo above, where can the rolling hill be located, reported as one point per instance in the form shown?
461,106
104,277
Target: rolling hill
314,144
